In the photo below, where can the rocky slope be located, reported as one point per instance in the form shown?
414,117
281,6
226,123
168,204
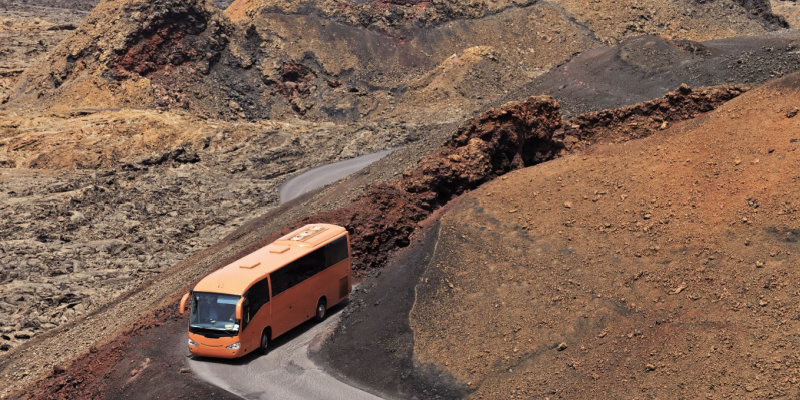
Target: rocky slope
645,67
501,137
26,36
356,44
74,239
665,263
70,5
144,54
345,64
397,15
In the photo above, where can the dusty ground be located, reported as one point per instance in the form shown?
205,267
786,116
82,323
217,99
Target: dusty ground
135,158
378,334
501,139
660,267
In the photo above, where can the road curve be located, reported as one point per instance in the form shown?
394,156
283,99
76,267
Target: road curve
285,372
323,175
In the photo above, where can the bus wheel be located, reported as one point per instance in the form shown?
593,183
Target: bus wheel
321,311
264,342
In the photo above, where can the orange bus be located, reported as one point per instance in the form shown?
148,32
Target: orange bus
248,303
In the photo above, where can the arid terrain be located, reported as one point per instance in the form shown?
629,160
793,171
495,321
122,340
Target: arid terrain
665,263
591,200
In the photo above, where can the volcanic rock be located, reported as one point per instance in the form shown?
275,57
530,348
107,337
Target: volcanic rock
646,67
146,54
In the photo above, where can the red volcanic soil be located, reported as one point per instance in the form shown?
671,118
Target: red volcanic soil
145,362
663,267
381,221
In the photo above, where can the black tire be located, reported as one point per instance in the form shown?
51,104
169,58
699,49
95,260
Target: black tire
322,310
264,342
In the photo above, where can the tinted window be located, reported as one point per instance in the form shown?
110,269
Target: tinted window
258,296
336,251
309,265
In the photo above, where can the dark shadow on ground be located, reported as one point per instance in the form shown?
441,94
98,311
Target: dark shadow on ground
373,343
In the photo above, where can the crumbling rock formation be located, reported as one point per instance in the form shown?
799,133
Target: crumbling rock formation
138,54
646,118
296,84
499,141
182,55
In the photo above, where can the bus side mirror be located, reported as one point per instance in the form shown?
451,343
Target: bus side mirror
239,309
183,302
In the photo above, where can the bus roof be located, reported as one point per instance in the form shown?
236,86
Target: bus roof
237,276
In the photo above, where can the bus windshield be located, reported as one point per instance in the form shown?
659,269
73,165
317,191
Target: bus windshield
213,313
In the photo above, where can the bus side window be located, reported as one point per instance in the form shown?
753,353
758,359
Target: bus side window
258,295
280,281
309,265
335,251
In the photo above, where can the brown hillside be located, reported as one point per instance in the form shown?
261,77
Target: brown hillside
402,39
147,54
189,56
382,50
662,267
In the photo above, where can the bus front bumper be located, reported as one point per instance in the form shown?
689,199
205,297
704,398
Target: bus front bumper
217,352
226,350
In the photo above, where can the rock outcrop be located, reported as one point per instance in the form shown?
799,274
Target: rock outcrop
143,54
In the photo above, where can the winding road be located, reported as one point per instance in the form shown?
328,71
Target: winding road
323,175
286,372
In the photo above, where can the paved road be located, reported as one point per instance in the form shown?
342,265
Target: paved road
285,372
321,176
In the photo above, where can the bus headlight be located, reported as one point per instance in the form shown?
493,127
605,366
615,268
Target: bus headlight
192,343
234,346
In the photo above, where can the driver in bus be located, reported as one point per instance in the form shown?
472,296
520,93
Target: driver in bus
210,305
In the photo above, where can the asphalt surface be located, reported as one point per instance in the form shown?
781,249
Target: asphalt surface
323,175
285,372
